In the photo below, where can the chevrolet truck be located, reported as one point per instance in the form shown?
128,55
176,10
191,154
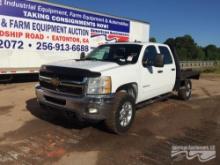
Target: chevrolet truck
112,80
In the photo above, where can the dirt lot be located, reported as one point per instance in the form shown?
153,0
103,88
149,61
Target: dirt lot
29,135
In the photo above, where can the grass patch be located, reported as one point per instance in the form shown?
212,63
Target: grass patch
212,70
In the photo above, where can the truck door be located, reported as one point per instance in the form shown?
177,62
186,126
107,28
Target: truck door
151,77
168,77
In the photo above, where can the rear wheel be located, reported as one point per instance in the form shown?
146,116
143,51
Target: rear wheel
122,115
185,92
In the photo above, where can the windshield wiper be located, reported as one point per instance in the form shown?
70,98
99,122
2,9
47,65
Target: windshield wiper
103,60
89,59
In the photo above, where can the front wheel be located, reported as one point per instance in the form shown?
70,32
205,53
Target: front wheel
185,92
122,115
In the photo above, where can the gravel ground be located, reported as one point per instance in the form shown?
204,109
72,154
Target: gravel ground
31,135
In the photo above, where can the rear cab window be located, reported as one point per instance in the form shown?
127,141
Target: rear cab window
167,55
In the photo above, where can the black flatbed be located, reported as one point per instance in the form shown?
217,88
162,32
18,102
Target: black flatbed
189,74
182,74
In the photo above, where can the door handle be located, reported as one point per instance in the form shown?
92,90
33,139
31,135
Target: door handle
159,71
173,69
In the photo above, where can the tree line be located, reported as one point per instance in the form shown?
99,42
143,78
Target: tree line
188,49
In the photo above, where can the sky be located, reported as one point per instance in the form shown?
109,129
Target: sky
168,19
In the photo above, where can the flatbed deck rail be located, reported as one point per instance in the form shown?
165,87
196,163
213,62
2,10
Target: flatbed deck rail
199,64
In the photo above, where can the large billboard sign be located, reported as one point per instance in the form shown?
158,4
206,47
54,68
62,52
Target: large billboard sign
31,26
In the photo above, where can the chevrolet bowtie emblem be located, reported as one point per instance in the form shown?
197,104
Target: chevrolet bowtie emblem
55,82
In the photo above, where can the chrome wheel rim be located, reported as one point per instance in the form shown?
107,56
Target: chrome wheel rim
188,89
125,114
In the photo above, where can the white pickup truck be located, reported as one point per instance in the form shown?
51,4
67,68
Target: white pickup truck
109,82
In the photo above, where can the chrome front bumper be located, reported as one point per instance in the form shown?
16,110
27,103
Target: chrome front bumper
79,105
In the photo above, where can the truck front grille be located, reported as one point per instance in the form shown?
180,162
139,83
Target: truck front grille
47,85
65,86
55,100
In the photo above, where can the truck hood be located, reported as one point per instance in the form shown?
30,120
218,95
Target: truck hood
96,66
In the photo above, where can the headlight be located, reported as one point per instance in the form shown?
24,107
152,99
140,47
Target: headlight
100,85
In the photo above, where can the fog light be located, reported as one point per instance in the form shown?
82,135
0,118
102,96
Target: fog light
93,110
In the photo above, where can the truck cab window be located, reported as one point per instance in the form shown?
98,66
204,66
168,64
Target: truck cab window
149,55
167,56
119,53
100,53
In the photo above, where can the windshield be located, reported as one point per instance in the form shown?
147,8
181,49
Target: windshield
119,53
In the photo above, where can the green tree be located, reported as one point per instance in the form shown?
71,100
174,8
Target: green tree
171,42
186,47
200,54
212,52
153,39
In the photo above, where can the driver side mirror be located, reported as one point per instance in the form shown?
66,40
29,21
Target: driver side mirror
82,55
159,60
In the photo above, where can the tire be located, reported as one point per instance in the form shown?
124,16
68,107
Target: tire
122,115
185,92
